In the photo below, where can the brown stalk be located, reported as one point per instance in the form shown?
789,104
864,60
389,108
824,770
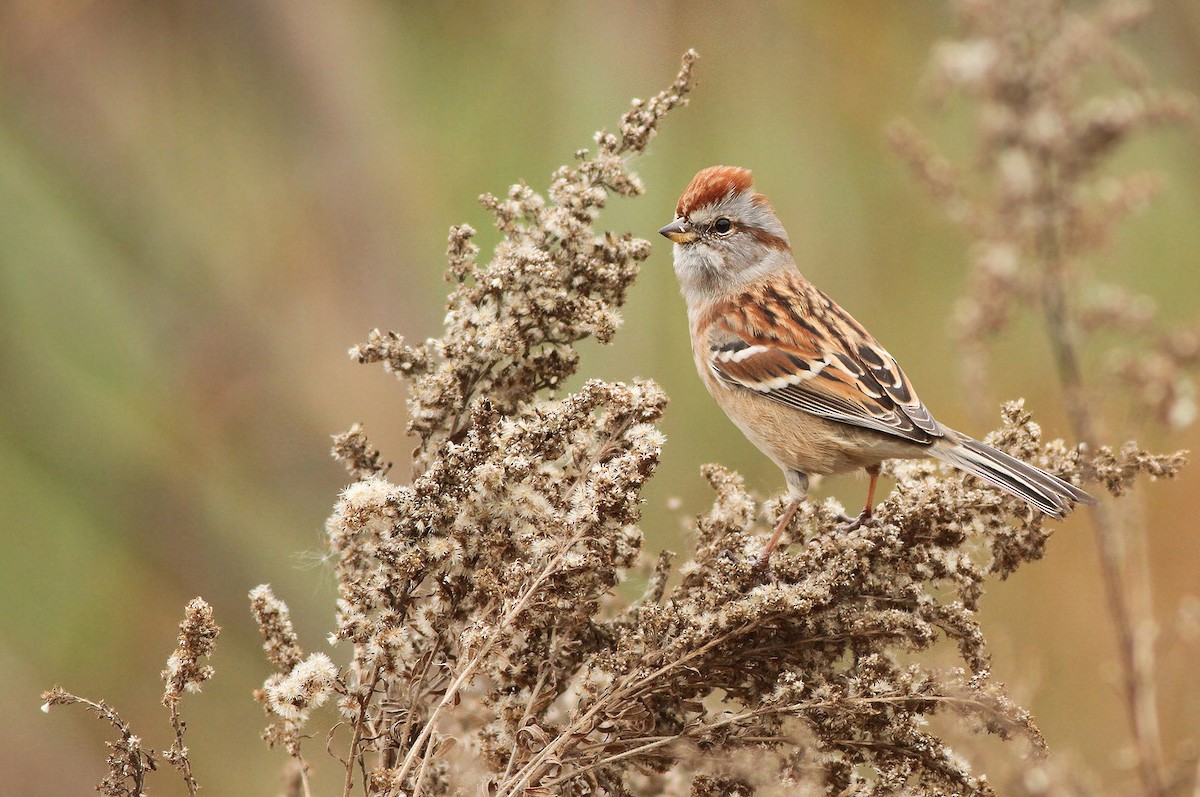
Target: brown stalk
181,760
468,671
568,737
1126,590
363,702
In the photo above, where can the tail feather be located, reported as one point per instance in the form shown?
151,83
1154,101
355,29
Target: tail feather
1034,486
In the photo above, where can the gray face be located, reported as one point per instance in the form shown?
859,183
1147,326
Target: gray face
727,245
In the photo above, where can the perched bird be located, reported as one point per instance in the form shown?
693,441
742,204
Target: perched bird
804,381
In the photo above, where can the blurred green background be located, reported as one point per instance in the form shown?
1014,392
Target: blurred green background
203,205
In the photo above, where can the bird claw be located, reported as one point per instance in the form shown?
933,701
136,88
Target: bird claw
850,524
762,562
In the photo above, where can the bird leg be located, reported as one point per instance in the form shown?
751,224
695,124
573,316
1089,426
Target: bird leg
797,483
784,521
865,515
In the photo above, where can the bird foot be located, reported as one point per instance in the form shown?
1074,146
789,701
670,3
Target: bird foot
726,557
762,562
850,524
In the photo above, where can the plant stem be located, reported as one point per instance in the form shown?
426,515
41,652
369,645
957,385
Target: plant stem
468,672
181,759
363,702
1135,647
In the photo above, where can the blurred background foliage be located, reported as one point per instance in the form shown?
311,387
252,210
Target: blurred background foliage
205,204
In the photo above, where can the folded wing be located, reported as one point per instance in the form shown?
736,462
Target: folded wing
802,350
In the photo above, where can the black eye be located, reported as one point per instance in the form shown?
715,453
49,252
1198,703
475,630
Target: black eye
722,225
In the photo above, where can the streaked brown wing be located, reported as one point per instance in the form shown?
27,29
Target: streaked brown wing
794,345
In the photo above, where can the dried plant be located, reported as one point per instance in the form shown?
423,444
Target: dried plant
197,640
1040,208
128,760
488,649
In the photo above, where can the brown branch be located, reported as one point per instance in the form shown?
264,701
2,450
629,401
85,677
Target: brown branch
363,702
178,754
1122,590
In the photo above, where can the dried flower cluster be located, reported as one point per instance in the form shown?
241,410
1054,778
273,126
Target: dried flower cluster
1040,206
550,283
492,565
129,760
1044,203
488,649
716,671
197,640
302,683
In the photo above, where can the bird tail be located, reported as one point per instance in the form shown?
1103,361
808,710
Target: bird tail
1034,486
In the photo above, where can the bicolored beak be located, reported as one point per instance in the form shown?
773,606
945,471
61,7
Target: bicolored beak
679,231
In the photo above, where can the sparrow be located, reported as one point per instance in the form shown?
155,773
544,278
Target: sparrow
804,381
